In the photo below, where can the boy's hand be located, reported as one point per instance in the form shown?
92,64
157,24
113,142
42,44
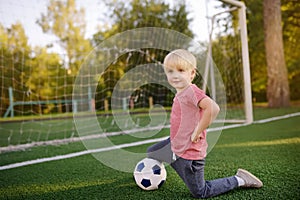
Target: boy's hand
195,137
210,112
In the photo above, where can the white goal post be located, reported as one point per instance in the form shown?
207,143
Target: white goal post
245,58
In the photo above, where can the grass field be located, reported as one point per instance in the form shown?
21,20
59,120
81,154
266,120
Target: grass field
269,150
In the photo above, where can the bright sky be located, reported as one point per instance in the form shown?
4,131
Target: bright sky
27,12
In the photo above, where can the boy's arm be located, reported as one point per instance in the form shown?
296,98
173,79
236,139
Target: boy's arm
210,112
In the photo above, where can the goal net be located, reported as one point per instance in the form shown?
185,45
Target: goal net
228,48
120,87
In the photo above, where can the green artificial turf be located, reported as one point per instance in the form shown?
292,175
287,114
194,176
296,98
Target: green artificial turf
271,151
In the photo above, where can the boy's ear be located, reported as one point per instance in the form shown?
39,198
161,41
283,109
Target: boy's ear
193,74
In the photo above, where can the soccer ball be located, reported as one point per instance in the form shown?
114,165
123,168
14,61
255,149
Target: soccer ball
150,174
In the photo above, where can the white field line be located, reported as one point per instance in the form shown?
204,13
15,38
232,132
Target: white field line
277,118
81,153
72,155
19,147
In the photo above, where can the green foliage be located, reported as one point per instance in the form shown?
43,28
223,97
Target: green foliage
223,53
14,51
291,34
34,73
145,13
42,75
45,69
65,21
137,14
291,37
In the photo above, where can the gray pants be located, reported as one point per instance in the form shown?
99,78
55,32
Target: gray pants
191,172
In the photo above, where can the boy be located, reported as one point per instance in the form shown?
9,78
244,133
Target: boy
185,149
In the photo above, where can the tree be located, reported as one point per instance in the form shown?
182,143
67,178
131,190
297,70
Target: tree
291,36
67,23
13,69
145,13
278,93
44,82
44,76
133,14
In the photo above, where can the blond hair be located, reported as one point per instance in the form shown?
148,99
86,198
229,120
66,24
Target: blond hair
180,59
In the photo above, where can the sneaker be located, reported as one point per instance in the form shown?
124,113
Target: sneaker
250,179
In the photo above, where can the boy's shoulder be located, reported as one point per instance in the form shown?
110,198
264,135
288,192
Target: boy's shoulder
192,91
196,88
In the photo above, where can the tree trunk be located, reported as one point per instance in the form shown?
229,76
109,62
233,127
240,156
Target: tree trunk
278,92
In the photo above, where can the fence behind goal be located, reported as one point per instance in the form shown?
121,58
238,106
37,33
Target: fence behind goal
37,90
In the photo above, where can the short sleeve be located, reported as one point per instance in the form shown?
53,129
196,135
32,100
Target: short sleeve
198,95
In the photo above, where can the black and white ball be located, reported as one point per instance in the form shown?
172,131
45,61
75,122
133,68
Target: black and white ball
150,174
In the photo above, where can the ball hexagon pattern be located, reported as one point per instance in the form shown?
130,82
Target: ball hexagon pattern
150,174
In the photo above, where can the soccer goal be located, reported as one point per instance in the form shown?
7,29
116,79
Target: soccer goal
41,97
228,48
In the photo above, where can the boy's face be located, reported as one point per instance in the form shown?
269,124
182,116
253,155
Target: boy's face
179,78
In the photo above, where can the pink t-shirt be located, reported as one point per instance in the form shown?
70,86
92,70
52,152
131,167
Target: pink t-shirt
185,116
